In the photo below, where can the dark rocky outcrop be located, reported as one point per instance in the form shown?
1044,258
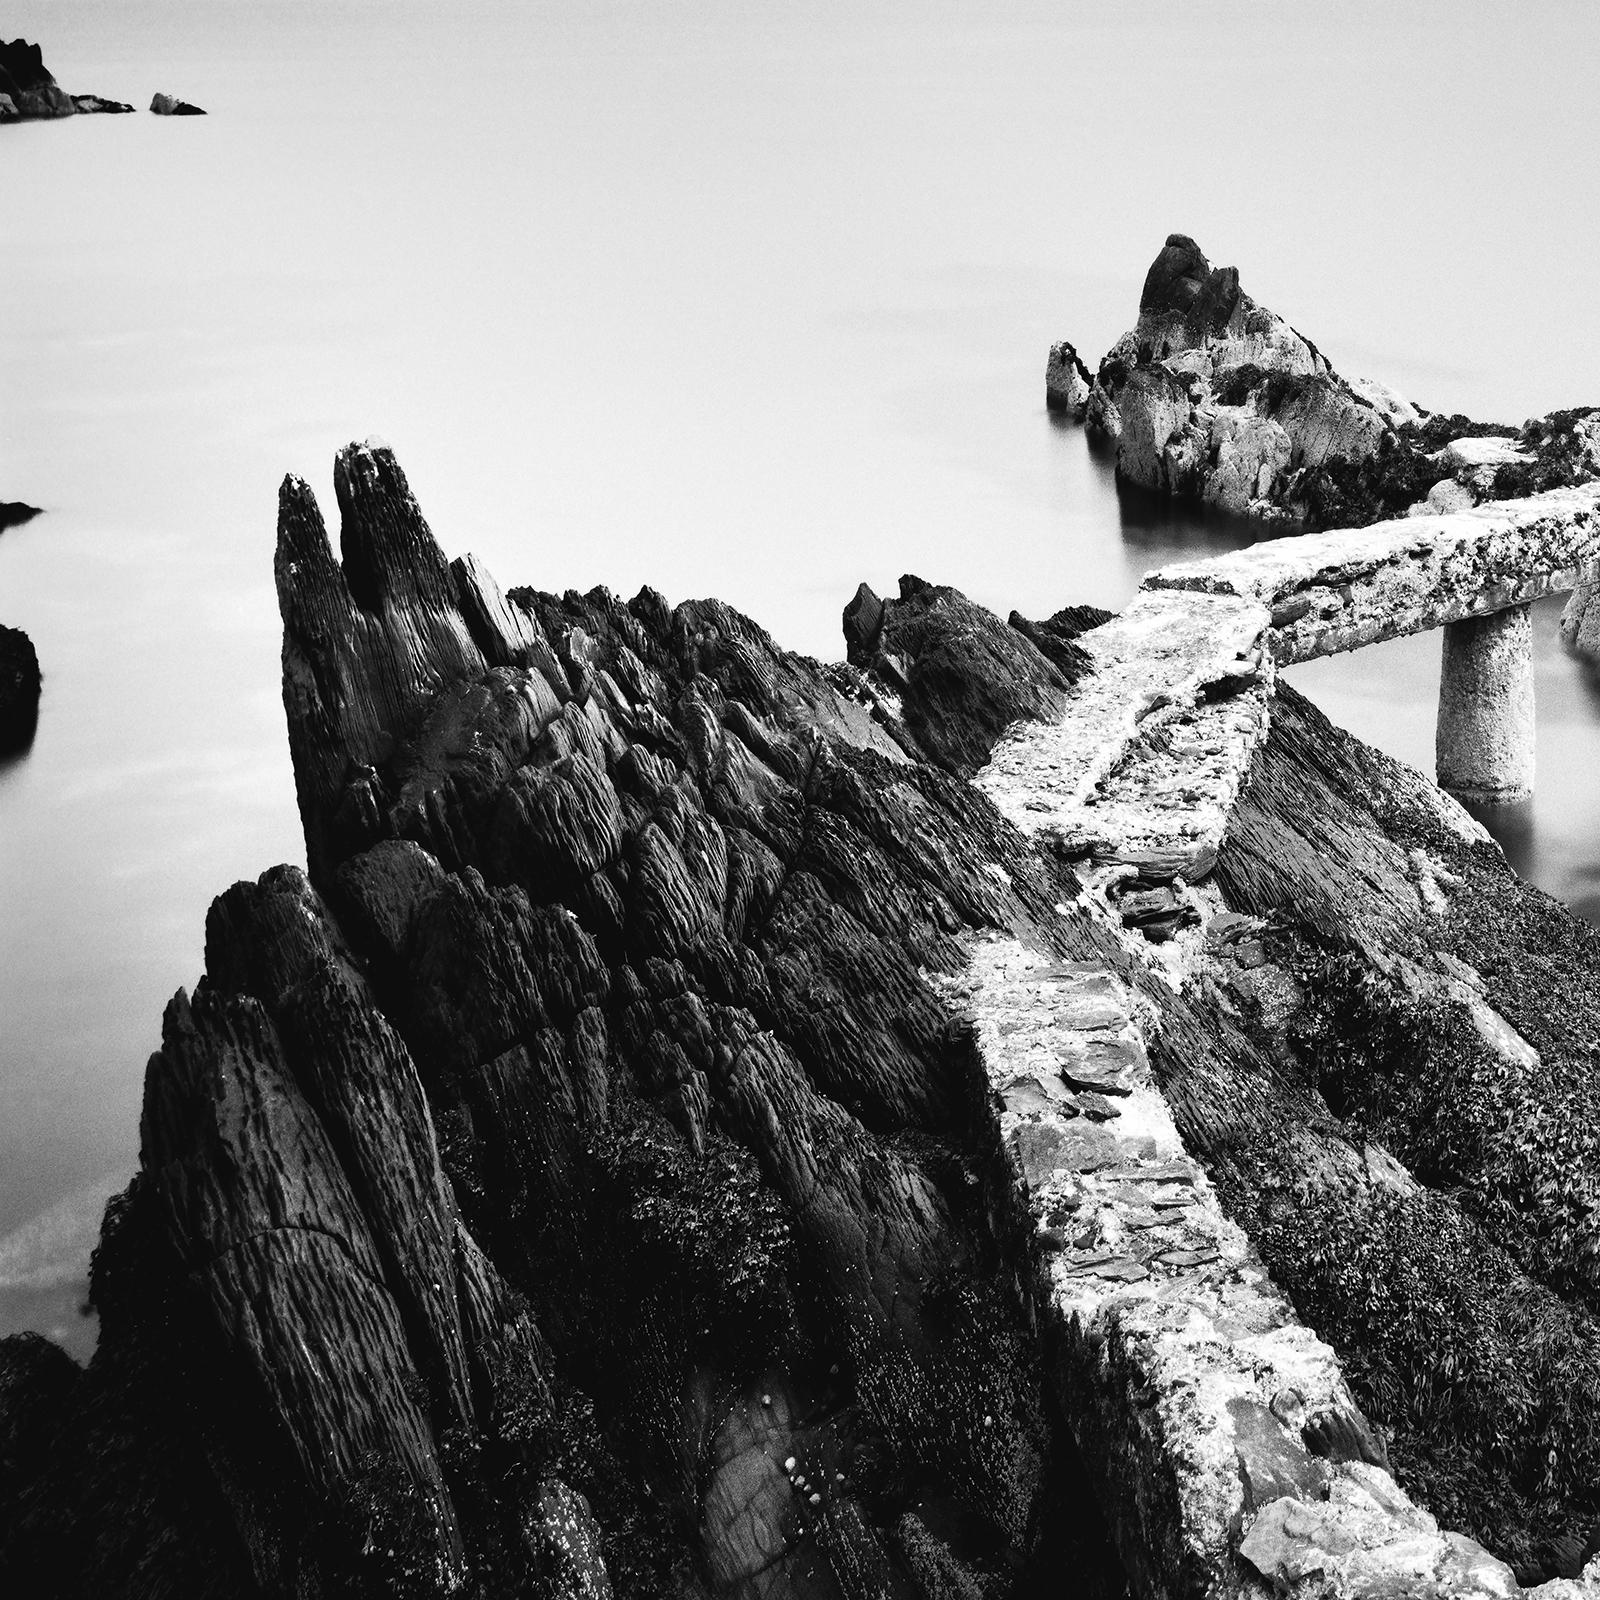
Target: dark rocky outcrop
20,685
1212,397
27,88
1067,381
27,84
573,1187
960,679
582,1182
167,105
13,513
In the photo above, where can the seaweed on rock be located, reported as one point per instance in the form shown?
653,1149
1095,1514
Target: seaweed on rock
573,1186
580,1183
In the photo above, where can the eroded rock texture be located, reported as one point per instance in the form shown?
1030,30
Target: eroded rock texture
574,1186
1213,397
585,1181
1369,1031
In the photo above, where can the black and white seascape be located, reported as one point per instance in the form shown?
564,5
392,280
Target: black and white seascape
720,863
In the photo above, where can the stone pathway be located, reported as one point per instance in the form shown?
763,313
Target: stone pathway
1234,1459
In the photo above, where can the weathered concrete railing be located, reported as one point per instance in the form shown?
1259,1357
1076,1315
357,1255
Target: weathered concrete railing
1473,573
1212,1472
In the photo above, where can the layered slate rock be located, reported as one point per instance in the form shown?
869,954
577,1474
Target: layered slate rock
574,1186
682,1137
1355,968
1209,1405
1213,397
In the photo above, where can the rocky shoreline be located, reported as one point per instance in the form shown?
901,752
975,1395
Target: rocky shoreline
620,1166
29,91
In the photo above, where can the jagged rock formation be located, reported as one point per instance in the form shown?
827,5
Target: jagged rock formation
27,88
574,1184
27,85
167,105
593,1178
1213,397
1067,381
20,685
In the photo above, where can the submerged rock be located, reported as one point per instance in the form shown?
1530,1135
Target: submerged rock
1214,398
166,105
20,685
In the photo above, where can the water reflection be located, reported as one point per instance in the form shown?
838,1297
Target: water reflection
1512,825
1157,526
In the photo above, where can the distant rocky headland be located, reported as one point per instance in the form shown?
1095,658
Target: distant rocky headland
1032,1108
1213,398
29,90
1210,396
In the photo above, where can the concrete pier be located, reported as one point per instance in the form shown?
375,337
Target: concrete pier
1483,748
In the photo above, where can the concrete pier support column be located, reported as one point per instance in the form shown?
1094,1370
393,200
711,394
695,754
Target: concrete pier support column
1483,750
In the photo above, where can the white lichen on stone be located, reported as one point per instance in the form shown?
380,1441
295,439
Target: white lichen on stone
1153,666
1329,592
1199,1373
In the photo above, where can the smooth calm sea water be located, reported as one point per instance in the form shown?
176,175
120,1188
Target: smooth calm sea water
731,299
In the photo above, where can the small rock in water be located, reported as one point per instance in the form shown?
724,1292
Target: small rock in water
15,512
88,104
168,105
20,684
